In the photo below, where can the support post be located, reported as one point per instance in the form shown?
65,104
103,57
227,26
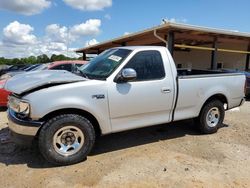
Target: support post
214,55
84,56
248,58
170,44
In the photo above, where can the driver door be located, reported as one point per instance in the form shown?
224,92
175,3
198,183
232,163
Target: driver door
144,101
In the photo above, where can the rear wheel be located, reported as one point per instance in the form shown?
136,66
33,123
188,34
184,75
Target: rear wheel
211,117
66,139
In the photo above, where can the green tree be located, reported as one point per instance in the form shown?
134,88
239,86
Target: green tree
32,60
60,57
43,59
53,57
16,61
2,61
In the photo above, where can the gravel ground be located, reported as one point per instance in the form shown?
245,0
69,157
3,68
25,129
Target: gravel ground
172,155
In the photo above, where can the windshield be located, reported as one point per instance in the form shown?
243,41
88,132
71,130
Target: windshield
103,65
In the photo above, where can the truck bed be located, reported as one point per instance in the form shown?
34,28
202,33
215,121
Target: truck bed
196,86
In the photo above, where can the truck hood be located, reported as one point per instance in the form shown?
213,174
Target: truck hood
26,82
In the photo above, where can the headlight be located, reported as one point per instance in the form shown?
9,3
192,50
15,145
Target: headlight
24,108
5,77
19,106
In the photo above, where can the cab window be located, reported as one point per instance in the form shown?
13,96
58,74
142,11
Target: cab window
148,65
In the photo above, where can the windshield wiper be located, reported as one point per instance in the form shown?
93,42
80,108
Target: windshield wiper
82,73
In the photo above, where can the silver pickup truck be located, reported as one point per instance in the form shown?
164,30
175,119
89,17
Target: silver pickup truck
123,88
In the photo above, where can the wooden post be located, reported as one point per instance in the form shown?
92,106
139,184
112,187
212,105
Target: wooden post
170,44
214,55
84,56
248,58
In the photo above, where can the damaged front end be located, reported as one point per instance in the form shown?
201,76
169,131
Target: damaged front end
32,81
23,127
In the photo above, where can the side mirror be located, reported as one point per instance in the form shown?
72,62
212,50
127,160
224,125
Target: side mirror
126,75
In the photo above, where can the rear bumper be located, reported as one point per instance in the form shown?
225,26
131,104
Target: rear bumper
22,131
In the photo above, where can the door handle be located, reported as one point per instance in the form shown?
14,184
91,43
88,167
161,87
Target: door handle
165,90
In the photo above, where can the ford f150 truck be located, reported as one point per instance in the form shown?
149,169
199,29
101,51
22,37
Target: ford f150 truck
123,88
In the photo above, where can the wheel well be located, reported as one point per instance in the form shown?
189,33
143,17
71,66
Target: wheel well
83,113
219,97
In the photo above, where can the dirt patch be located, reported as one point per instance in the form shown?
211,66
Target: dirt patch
172,155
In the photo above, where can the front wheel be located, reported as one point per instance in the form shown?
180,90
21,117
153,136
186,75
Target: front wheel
66,139
211,117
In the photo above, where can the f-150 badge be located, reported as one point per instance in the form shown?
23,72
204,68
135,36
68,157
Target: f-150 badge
101,96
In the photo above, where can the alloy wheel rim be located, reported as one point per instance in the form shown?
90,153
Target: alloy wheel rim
68,140
213,117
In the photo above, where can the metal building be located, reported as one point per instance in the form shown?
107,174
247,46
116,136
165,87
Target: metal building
195,46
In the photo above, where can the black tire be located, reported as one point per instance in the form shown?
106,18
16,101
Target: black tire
49,131
204,126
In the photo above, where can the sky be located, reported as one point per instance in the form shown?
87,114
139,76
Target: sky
35,27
